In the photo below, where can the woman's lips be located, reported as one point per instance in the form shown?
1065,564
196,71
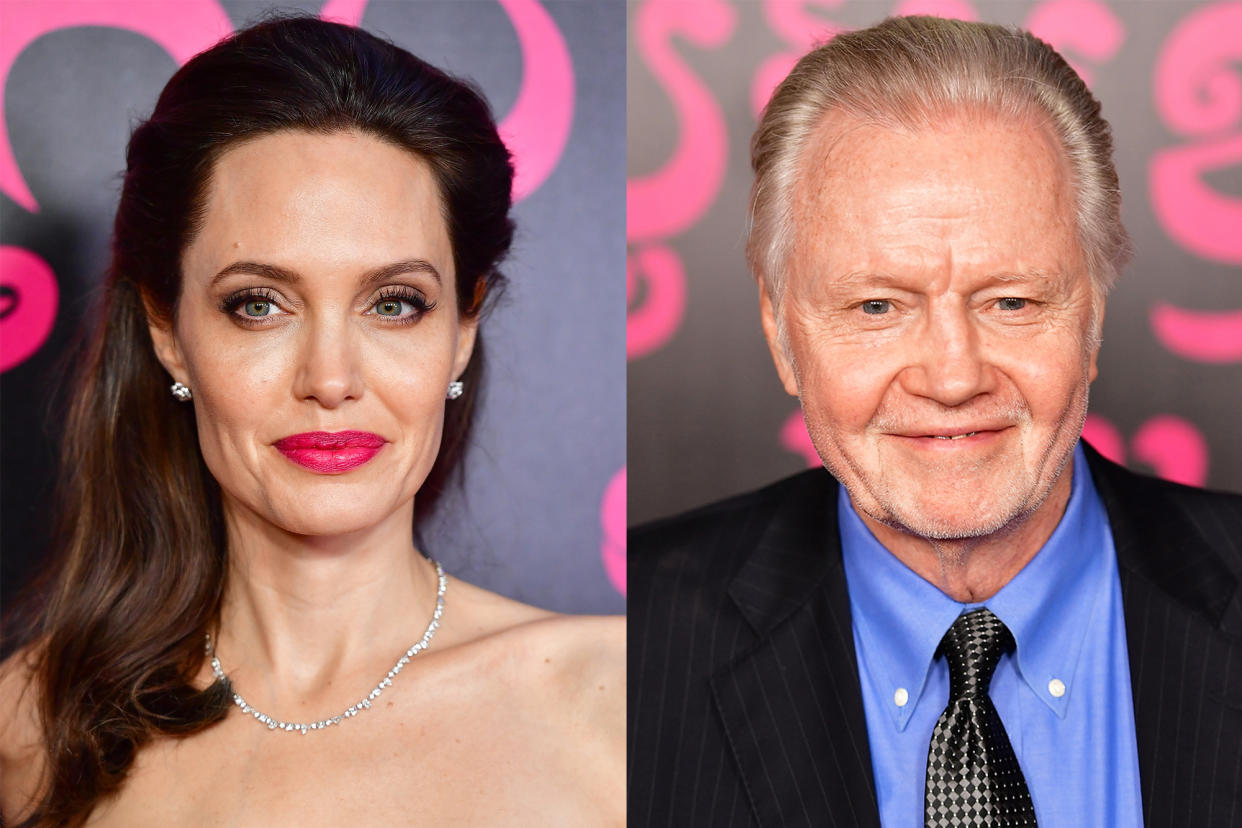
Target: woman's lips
330,452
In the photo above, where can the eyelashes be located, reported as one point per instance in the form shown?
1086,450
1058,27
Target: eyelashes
240,303
395,295
394,304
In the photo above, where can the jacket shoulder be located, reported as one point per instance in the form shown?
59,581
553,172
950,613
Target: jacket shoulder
704,547
1152,509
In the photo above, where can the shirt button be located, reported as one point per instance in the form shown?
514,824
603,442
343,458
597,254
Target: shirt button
901,697
1057,688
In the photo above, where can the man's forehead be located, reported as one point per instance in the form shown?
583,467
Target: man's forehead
835,142
848,160
991,195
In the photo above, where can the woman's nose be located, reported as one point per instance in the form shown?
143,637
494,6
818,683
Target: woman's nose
328,364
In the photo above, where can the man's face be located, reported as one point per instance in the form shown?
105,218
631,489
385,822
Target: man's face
937,316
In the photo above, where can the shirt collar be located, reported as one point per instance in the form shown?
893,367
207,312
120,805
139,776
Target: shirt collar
900,618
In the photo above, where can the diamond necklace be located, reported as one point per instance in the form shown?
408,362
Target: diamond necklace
354,710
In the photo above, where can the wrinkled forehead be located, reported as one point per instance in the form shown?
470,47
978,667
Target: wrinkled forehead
973,186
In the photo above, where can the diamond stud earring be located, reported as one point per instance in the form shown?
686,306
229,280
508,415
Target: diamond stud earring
181,392
454,390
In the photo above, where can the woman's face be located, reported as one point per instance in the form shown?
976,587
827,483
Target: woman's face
317,299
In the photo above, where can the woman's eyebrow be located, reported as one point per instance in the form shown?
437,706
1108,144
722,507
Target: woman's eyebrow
385,272
370,277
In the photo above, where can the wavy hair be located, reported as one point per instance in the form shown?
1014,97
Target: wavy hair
115,627
911,73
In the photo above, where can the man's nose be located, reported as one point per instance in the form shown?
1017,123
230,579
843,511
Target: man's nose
328,368
948,362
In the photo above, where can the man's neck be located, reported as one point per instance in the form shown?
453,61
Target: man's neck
972,570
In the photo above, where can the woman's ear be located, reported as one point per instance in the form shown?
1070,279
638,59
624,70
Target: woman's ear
164,340
467,329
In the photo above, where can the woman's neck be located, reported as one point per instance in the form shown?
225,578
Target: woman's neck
301,614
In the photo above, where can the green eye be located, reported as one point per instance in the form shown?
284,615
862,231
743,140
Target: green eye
257,307
389,307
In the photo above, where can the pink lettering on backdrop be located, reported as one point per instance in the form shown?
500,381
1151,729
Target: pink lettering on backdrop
794,437
791,19
27,305
1197,217
952,9
537,127
1086,28
1104,436
612,519
183,29
1204,336
651,321
671,199
1198,92
1174,448
348,12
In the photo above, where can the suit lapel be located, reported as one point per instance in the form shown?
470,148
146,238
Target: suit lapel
1184,637
791,705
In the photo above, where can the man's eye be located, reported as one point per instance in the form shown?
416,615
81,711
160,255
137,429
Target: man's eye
1011,303
876,306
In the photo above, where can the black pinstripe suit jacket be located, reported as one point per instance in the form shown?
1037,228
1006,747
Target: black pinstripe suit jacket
744,702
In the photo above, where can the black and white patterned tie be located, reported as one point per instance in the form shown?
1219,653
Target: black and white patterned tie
973,778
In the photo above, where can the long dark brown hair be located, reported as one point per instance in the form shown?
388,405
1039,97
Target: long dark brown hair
114,629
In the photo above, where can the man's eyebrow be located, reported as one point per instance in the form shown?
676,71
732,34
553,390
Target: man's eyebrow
370,277
887,279
868,278
1033,275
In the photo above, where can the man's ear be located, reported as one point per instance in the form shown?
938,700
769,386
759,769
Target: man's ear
164,340
1092,369
771,331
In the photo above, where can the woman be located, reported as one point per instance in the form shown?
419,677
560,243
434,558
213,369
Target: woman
240,630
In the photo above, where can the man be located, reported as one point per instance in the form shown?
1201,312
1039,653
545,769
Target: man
970,618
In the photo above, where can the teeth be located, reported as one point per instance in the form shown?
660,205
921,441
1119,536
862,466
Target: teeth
956,436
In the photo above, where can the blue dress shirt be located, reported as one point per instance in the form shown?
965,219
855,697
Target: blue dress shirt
1063,694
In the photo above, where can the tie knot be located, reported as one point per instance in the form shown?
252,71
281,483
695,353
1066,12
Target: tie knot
973,647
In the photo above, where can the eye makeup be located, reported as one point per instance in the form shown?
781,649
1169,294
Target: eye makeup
395,304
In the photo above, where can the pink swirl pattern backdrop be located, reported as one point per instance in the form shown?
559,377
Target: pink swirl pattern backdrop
541,126
1170,387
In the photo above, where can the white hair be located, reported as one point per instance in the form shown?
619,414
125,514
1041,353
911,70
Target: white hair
911,73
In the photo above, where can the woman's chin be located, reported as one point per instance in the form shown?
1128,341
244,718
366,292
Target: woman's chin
334,516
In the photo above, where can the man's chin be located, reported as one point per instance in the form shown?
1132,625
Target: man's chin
962,519
954,527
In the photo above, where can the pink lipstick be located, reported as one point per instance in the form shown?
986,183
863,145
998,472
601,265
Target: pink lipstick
330,452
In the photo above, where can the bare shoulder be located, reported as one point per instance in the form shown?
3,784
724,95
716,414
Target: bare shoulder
563,677
586,643
574,660
584,656
21,739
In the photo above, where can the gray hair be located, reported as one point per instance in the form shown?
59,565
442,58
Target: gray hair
909,72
